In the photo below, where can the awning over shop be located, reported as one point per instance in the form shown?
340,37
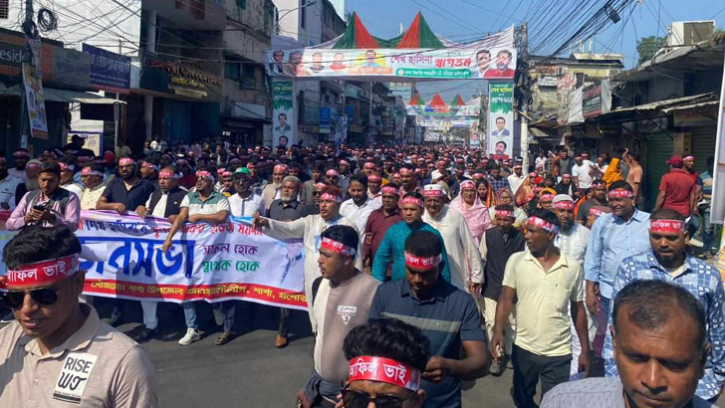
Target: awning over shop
663,105
60,95
692,106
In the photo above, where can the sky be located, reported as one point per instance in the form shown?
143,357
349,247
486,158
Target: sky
468,19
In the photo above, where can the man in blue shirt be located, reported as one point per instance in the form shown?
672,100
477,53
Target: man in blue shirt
614,237
393,245
669,261
446,315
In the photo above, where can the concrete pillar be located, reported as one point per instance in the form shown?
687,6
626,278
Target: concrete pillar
151,31
148,115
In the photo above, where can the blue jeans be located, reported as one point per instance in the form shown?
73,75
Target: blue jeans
708,232
606,307
229,309
190,315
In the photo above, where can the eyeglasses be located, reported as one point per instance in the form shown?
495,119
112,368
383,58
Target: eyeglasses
43,296
359,399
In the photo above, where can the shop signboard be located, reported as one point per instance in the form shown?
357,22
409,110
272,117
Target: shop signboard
170,77
596,99
109,71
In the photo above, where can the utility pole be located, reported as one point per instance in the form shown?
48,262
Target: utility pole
28,58
116,109
524,108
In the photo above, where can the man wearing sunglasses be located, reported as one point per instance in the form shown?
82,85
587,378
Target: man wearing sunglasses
380,343
203,205
57,352
341,302
448,317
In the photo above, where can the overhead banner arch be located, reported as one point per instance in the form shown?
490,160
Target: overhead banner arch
418,54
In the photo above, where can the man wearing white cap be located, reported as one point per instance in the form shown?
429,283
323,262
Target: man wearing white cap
464,258
516,179
572,240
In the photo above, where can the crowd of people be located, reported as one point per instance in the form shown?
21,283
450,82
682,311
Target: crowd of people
441,263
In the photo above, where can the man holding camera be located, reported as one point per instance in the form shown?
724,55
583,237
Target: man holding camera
49,206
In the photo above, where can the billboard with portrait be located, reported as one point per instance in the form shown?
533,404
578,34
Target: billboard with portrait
500,119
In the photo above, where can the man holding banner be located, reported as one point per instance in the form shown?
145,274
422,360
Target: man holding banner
310,229
203,205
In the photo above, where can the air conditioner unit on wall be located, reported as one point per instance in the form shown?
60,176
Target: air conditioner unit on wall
683,33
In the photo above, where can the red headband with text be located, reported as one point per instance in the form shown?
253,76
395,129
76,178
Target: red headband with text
411,200
538,222
42,273
337,247
666,226
390,190
505,214
126,161
330,197
419,262
564,205
620,193
384,370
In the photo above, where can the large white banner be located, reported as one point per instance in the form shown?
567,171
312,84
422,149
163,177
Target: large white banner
122,258
491,58
717,214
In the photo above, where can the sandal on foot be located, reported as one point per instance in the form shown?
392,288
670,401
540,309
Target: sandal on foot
223,338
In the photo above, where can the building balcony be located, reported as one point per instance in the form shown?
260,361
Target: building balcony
207,15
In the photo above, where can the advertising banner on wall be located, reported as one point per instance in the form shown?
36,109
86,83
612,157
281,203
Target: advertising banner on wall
283,119
500,119
597,99
94,140
35,102
440,123
491,58
109,71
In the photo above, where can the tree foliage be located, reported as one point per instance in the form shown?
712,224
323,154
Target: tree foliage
648,46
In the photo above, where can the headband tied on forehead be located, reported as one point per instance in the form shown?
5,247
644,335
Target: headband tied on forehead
42,273
405,171
596,212
149,165
332,173
390,190
330,197
505,214
384,370
478,176
204,174
320,185
19,155
421,262
337,247
126,161
538,222
468,184
280,167
667,226
221,171
620,193
547,197
87,171
411,200
374,178
169,174
564,205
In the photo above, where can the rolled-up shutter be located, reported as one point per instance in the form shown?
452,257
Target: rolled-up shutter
704,139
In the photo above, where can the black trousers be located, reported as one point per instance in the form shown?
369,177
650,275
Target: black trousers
528,367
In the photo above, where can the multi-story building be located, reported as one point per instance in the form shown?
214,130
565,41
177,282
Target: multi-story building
181,86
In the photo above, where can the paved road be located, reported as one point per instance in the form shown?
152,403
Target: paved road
249,371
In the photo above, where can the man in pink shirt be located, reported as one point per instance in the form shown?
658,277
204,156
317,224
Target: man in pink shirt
49,206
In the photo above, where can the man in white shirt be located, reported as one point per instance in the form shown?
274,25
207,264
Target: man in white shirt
572,240
20,159
66,179
358,208
580,173
8,186
465,260
93,186
245,203
517,179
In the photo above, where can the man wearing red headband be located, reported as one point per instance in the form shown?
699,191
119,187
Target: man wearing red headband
20,160
518,177
379,344
598,199
93,186
389,258
203,205
572,240
409,181
614,237
375,183
497,246
669,261
548,285
380,221
465,260
341,301
677,189
425,300
48,206
57,352
359,207
310,229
